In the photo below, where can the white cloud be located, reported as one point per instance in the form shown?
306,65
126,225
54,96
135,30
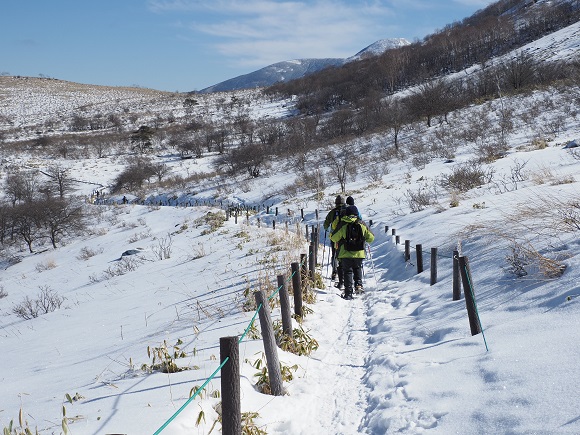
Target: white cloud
261,32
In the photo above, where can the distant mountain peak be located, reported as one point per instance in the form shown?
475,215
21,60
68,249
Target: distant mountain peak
294,69
379,47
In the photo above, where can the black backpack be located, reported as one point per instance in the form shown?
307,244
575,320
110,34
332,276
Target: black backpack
354,240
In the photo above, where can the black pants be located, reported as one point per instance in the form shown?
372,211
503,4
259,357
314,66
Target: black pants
352,270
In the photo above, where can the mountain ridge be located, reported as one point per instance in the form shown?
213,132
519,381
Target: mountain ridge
293,69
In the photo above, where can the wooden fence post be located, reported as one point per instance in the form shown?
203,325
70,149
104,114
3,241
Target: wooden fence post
304,267
397,239
407,250
270,349
433,266
311,261
297,289
469,295
456,277
230,384
273,224
419,251
285,306
386,229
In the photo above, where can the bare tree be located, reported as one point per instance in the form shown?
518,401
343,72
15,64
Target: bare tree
61,217
27,223
61,179
21,187
142,139
343,163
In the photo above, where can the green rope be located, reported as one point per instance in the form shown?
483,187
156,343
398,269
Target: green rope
251,323
192,397
221,365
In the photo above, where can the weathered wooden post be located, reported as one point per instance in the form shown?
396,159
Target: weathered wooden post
433,266
370,222
393,232
276,211
306,231
407,250
297,289
311,261
315,241
270,349
236,217
230,384
419,251
259,223
386,229
304,267
273,224
397,239
469,295
285,306
302,213
316,212
456,277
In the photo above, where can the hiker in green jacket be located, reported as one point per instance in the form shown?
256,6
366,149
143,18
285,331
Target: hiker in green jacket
351,234
339,207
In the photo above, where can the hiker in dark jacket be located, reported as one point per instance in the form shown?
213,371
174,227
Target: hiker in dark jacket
334,225
339,207
351,260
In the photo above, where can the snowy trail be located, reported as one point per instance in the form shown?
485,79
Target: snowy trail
336,371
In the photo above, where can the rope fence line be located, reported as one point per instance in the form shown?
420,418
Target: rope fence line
460,269
292,217
461,276
226,359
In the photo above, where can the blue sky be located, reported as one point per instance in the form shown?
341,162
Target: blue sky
185,45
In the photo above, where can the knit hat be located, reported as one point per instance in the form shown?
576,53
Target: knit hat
339,200
350,200
351,210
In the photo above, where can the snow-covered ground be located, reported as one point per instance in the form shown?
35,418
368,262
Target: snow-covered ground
398,359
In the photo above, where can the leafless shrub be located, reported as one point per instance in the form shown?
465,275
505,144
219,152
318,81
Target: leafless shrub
490,148
525,258
163,248
198,251
517,261
46,302
46,265
554,124
420,199
140,236
545,175
3,293
509,183
575,153
87,253
123,266
464,177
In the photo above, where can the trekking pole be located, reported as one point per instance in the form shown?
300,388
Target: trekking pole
373,265
329,260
